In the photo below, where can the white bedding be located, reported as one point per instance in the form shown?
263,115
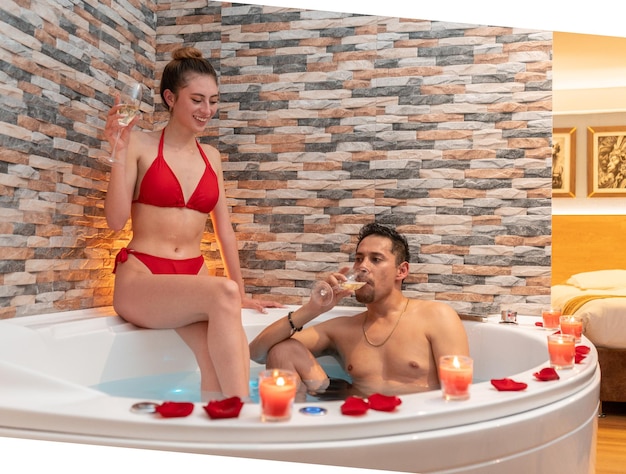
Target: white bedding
604,319
599,280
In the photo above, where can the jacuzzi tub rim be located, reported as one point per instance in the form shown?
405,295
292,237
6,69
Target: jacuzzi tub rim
409,417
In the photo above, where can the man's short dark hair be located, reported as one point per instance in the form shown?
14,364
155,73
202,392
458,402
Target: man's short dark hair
399,244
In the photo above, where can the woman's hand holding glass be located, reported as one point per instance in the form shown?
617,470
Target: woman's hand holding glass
123,116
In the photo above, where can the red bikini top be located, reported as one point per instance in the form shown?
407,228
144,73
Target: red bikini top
160,186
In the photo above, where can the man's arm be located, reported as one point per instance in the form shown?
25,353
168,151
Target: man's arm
447,335
313,339
292,324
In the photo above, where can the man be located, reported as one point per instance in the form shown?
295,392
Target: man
392,348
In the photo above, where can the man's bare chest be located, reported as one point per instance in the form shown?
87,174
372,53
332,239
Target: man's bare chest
397,359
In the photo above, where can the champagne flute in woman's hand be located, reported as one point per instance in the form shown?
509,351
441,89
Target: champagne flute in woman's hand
128,108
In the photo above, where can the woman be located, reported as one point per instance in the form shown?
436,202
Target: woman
168,182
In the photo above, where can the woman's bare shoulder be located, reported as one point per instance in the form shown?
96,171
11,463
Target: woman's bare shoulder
146,136
144,144
145,141
210,151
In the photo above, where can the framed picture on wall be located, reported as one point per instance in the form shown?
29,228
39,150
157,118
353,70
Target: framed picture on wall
606,161
564,162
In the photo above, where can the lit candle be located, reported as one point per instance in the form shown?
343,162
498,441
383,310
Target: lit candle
562,350
455,375
572,325
551,317
277,391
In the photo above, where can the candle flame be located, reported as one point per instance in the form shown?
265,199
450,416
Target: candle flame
456,363
280,381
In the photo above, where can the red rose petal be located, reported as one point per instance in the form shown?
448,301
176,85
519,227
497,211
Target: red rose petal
354,406
174,409
508,385
546,374
381,402
539,324
583,350
581,353
227,408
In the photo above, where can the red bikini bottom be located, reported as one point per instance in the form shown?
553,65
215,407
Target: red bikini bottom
160,265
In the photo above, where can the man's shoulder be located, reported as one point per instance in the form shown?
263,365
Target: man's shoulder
433,309
341,320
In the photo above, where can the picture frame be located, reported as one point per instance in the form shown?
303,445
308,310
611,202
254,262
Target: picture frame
606,161
564,162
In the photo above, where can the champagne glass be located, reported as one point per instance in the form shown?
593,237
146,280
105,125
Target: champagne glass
322,292
130,100
355,279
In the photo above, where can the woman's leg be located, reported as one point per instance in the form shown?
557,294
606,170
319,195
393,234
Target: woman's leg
195,336
177,301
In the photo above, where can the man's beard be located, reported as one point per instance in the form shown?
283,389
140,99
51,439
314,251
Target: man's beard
364,295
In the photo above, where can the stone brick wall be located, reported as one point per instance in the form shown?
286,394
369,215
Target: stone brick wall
328,121
60,63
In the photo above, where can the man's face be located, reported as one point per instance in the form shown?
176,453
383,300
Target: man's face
374,255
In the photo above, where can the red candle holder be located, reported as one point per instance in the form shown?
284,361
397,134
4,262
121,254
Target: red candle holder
572,325
551,317
455,375
277,391
562,350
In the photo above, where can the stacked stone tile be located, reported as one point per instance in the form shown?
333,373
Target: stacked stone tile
328,121
443,130
61,63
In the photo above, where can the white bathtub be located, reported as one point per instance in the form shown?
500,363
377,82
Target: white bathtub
48,362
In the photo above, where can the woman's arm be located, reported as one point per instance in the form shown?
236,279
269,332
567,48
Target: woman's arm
227,240
118,199
222,225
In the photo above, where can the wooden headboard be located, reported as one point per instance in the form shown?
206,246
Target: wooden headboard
587,243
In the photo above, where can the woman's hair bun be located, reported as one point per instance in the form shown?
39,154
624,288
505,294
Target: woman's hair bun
187,52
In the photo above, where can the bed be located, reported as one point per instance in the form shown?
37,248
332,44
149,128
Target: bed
589,279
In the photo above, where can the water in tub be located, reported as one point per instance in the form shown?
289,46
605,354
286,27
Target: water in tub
185,386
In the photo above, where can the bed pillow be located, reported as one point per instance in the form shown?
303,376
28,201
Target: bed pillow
599,280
